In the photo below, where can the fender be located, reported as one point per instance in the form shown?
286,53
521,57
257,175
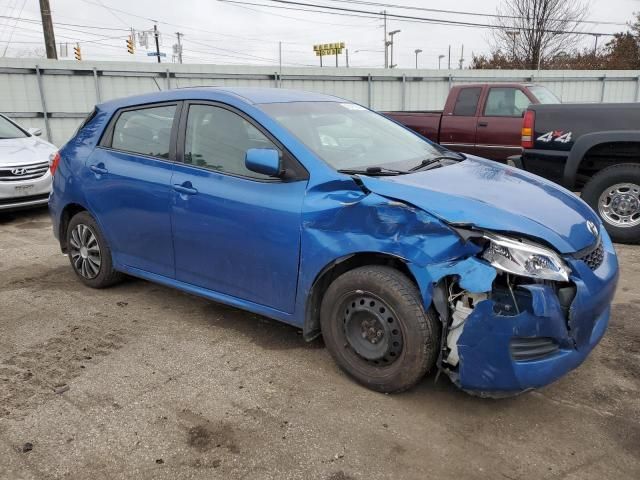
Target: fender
588,141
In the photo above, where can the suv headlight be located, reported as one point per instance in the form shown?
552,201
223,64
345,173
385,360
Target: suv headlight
523,258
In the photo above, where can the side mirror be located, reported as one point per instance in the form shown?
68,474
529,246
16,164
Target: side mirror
34,132
264,160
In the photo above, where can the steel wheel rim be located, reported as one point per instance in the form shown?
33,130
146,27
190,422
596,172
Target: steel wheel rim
619,205
371,329
85,251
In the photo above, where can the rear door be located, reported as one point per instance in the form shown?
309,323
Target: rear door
235,231
127,186
458,126
500,124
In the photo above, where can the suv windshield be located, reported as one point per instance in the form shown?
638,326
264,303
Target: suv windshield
348,136
543,94
9,130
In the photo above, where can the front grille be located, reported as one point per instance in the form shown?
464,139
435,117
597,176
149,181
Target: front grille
594,258
19,200
23,172
532,348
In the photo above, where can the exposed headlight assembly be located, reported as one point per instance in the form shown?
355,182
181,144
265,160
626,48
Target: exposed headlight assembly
523,258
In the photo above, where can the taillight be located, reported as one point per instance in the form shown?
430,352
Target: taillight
527,129
53,163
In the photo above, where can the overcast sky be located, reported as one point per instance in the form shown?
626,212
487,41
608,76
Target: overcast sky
224,33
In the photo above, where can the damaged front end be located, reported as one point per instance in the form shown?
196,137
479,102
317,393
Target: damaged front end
510,326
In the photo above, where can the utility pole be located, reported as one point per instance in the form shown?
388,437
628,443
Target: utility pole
449,61
462,57
595,47
417,51
386,42
47,29
391,34
179,36
157,35
440,57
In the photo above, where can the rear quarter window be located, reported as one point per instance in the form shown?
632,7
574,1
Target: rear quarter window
145,131
467,102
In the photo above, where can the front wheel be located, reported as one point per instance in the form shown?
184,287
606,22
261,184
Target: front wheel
377,330
615,194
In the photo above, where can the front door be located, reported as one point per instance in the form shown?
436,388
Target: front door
500,125
235,231
127,182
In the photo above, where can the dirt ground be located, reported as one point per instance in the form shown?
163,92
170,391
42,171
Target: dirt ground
140,381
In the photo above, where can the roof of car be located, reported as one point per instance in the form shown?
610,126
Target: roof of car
252,95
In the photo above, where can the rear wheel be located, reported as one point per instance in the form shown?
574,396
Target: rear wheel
615,194
89,253
377,330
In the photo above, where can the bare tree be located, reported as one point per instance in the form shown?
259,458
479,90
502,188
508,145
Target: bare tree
530,31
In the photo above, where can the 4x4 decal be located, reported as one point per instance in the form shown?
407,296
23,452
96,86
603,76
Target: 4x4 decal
555,136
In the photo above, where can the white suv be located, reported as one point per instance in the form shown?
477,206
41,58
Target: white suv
25,180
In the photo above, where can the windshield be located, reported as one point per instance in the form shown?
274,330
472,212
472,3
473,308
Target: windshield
348,136
543,94
9,130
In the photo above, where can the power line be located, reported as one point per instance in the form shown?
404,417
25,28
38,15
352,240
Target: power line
461,12
298,18
38,22
294,5
13,29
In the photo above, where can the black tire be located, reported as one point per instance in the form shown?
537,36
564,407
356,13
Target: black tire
402,318
628,173
101,276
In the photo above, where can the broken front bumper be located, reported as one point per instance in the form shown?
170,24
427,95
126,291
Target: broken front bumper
502,355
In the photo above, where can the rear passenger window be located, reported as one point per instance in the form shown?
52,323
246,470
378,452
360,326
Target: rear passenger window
146,131
467,102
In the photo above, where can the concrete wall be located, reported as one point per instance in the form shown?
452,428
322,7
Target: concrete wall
56,95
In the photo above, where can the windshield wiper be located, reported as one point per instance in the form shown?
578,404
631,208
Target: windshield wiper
430,161
373,171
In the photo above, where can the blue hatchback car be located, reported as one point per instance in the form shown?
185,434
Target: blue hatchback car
320,213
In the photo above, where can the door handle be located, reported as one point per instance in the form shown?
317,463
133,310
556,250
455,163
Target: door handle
100,170
186,188
483,124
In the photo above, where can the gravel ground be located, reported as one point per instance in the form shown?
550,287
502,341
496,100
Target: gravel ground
140,381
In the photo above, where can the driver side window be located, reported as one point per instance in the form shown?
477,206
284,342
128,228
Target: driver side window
506,102
218,139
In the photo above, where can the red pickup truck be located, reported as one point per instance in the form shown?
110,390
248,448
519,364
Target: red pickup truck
481,119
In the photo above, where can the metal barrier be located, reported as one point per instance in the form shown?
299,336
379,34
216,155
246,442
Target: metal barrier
56,95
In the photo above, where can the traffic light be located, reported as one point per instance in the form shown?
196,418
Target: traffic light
131,45
77,52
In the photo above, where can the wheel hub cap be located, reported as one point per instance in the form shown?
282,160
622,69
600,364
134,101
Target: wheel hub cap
619,205
371,329
85,251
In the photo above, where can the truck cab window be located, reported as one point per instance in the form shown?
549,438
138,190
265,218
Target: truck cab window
467,102
506,102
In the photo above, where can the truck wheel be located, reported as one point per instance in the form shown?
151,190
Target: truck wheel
89,254
615,194
377,330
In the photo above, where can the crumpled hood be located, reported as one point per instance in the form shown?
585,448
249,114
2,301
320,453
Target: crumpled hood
24,151
495,197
